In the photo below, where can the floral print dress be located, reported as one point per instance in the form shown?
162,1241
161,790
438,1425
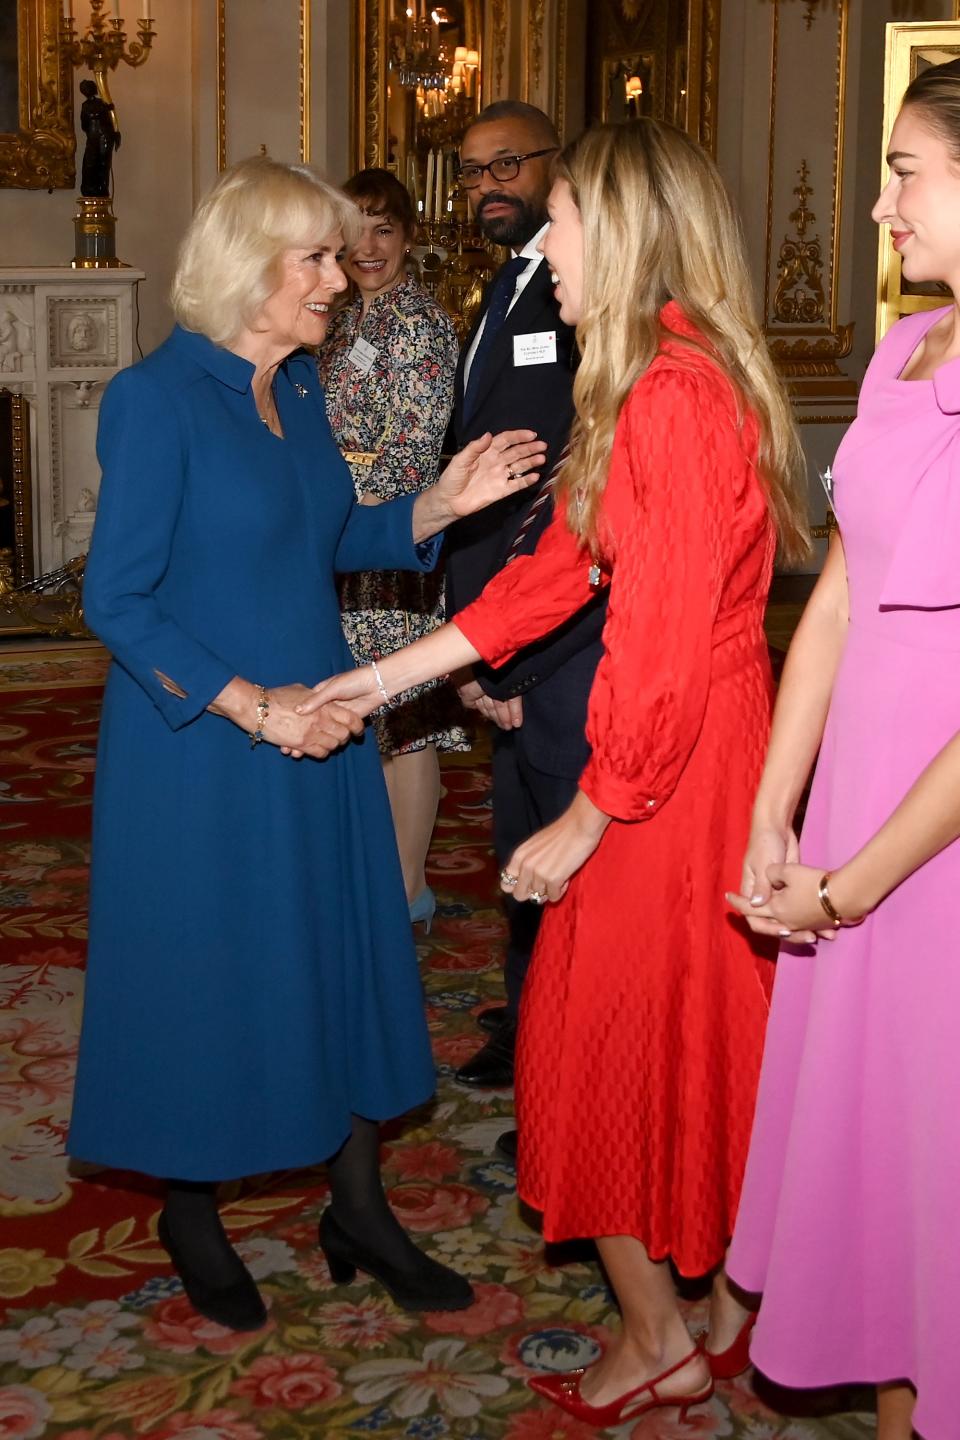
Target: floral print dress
389,407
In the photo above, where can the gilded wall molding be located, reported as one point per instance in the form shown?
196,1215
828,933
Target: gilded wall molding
711,75
498,22
306,57
221,85
533,54
40,154
560,105
802,281
371,86
799,297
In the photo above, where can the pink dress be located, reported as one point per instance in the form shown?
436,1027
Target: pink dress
849,1214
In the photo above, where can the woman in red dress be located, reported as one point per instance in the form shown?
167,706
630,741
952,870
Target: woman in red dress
644,1013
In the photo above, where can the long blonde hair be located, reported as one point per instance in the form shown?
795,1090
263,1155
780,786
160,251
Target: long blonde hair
230,257
658,224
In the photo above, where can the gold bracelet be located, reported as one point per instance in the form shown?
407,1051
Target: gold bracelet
829,909
263,710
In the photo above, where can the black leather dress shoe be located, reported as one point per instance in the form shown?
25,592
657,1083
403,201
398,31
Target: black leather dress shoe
492,1066
492,1018
506,1146
237,1305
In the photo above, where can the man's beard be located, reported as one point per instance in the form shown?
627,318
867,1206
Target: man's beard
514,230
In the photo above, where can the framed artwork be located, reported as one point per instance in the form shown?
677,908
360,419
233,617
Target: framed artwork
37,141
16,534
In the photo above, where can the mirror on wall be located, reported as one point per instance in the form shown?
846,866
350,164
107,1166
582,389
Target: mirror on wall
421,87
654,57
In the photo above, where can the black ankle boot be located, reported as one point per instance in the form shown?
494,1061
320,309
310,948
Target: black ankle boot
237,1304
421,1284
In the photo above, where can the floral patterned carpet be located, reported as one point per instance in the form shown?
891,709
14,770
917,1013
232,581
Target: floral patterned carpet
97,1341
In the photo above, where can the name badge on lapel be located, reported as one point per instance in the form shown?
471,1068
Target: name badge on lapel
539,348
362,355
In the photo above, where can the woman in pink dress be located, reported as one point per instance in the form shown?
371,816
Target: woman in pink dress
848,1220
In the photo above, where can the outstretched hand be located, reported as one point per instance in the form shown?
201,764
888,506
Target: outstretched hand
353,690
490,468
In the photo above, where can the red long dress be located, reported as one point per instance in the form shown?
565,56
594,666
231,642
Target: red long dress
644,1010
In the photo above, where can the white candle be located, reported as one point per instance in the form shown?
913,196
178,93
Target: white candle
116,9
144,9
438,197
431,183
68,9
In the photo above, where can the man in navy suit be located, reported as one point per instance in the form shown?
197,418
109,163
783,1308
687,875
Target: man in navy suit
517,371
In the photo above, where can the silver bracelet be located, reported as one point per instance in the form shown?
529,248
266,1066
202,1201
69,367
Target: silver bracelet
379,679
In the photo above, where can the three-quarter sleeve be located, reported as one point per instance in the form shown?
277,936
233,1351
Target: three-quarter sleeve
380,537
679,451
140,448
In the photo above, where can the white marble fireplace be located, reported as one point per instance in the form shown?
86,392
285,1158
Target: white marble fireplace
63,334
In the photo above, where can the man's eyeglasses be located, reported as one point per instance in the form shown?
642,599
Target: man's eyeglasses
505,167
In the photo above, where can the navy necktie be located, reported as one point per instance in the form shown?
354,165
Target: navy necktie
501,293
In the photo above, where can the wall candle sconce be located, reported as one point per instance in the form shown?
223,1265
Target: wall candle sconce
100,48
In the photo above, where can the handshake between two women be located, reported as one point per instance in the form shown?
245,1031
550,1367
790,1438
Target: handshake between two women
301,722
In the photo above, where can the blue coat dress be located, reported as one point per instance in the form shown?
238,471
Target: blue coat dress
252,978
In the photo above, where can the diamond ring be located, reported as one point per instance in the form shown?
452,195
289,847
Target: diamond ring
537,898
507,879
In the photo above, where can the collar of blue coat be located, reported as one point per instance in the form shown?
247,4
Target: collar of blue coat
224,365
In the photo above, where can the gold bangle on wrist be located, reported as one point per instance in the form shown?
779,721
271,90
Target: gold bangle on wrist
829,909
263,710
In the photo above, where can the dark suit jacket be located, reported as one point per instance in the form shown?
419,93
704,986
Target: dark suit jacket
554,676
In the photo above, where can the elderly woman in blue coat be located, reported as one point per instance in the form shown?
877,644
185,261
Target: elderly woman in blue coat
253,1001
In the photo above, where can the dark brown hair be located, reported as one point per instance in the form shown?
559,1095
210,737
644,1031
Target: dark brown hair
935,93
378,192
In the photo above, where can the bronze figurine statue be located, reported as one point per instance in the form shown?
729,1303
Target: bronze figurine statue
99,124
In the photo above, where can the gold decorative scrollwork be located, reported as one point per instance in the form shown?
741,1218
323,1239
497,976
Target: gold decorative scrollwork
372,89
16,554
812,356
40,155
498,14
535,51
800,298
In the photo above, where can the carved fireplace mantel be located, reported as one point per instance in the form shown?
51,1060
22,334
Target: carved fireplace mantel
63,334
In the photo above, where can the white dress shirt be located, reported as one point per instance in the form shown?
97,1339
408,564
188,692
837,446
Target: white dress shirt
529,252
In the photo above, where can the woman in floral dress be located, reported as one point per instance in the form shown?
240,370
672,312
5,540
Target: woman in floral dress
387,369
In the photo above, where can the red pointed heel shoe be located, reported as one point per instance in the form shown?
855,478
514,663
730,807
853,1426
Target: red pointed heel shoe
564,1390
736,1358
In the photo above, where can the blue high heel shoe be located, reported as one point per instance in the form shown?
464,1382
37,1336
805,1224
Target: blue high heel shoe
423,909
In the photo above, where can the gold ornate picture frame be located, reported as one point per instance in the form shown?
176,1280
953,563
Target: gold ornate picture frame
40,153
16,531
910,47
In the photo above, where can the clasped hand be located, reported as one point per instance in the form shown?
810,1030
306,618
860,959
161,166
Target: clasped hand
779,895
507,714
317,734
